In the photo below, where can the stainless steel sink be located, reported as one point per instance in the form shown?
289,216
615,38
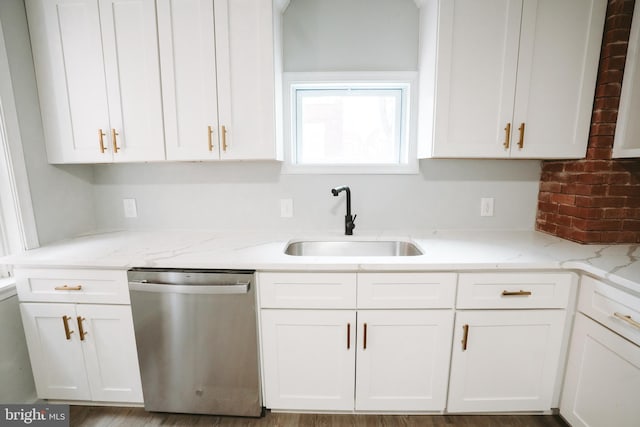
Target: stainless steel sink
353,248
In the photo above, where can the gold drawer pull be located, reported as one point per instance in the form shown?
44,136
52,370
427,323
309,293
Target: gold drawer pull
348,336
521,141
364,342
223,131
114,141
81,329
627,319
68,288
465,337
507,136
516,293
65,322
210,137
101,136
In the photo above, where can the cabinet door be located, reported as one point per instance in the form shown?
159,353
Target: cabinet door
509,363
246,79
57,361
477,62
309,359
602,384
130,44
627,136
110,352
188,63
405,365
67,53
557,69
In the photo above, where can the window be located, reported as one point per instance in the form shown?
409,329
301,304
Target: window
349,125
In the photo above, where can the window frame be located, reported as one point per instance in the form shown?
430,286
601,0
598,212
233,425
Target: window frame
405,80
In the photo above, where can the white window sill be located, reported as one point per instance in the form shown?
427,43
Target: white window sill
7,288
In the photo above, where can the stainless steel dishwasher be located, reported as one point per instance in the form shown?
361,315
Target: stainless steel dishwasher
197,341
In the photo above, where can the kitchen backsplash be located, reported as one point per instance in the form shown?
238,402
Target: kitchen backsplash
246,195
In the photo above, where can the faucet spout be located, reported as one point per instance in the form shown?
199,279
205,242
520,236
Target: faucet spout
349,221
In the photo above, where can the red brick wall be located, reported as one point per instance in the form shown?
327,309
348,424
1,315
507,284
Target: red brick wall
597,200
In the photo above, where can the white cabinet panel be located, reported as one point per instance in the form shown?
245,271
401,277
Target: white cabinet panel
514,290
57,361
307,290
513,78
67,52
477,63
129,40
405,364
110,353
557,71
308,359
98,359
602,384
627,138
406,290
507,362
188,61
78,286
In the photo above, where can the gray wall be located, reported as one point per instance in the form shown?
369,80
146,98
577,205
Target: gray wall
244,195
351,35
16,379
62,196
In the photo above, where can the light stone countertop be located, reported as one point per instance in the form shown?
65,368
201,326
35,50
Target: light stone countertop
443,250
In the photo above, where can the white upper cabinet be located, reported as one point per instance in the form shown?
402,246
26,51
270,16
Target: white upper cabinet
508,78
218,78
98,79
627,138
101,65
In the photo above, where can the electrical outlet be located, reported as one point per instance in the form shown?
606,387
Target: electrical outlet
130,208
286,208
486,206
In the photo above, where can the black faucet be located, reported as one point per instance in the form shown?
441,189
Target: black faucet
349,221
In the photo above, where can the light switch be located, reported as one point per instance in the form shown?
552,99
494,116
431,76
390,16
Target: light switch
486,206
130,208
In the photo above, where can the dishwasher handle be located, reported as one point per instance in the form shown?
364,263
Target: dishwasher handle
238,288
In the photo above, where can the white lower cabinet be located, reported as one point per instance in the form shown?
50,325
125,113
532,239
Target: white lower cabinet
505,360
403,360
602,383
82,351
309,359
324,354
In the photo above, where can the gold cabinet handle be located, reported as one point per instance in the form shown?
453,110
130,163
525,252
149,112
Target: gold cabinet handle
516,293
101,136
65,322
465,337
210,129
507,136
80,328
223,131
364,341
114,142
521,140
68,288
348,336
627,319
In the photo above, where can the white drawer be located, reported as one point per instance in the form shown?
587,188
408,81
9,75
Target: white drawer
406,290
307,290
75,286
514,290
614,308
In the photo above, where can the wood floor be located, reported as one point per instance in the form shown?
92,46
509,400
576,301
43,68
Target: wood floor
89,416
